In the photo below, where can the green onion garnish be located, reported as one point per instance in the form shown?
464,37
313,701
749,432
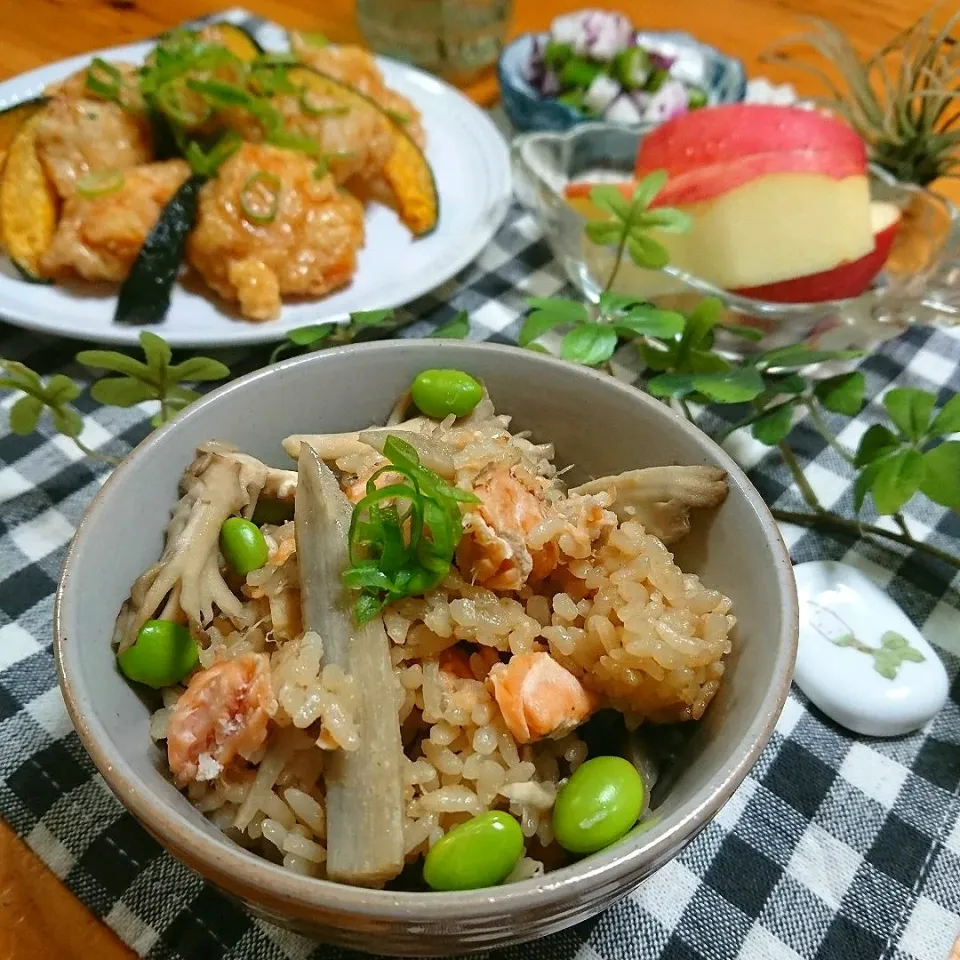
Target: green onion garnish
294,141
104,79
398,116
321,169
220,94
276,60
315,39
271,80
189,109
206,164
402,536
260,197
99,183
329,110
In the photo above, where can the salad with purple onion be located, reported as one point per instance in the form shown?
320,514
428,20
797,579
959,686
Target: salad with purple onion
592,61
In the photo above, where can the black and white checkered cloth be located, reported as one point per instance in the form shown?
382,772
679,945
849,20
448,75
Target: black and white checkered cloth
836,847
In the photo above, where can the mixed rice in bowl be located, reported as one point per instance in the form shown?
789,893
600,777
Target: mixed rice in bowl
383,668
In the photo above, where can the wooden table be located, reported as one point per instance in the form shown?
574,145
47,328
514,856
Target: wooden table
39,917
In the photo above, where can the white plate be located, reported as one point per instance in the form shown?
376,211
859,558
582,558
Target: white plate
471,165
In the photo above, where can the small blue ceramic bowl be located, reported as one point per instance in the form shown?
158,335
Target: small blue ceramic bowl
722,77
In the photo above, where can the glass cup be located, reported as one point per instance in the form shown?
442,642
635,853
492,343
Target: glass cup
455,39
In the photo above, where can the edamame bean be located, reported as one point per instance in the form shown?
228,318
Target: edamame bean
598,804
163,654
242,545
478,853
438,393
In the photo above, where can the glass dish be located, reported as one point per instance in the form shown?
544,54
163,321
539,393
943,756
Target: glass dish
696,63
920,282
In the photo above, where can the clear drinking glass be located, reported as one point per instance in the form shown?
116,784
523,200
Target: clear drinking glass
455,39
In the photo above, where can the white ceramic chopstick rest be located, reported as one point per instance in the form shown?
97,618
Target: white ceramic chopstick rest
860,659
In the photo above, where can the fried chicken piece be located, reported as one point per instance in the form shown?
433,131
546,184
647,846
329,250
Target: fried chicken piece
77,137
98,238
357,67
299,235
75,86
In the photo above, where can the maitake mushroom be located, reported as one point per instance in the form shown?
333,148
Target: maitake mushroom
660,498
186,580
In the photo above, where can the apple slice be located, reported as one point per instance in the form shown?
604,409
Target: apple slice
845,280
732,132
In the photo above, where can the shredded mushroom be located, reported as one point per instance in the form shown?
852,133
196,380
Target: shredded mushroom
660,498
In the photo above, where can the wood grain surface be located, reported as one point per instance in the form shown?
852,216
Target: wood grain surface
39,917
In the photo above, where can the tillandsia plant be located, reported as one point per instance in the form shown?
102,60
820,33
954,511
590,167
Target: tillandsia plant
904,99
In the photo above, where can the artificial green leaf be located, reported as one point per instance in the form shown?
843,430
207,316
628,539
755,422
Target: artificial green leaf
22,377
744,333
67,421
666,219
60,389
537,324
157,353
610,198
646,252
910,410
863,483
774,427
370,318
455,329
122,391
701,320
897,480
948,419
647,189
797,357
589,344
306,336
569,311
25,414
610,302
603,232
671,385
731,386
842,394
941,474
877,442
199,368
651,322
703,361
114,362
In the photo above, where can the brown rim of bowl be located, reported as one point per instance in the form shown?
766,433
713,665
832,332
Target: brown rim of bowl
222,859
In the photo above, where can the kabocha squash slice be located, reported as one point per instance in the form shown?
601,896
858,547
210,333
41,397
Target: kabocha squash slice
237,40
145,295
13,118
407,171
29,206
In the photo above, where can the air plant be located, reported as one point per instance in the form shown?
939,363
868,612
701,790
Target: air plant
904,100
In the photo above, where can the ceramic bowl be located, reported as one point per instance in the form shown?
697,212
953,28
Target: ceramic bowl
722,77
737,550
918,282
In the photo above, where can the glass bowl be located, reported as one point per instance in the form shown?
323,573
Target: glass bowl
920,281
722,77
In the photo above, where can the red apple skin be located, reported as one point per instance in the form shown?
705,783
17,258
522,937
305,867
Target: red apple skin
846,280
710,182
717,135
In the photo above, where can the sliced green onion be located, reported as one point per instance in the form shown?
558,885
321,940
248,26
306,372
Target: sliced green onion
171,100
398,116
267,115
333,110
104,79
276,60
206,164
316,39
271,80
99,183
321,169
260,197
294,141
220,94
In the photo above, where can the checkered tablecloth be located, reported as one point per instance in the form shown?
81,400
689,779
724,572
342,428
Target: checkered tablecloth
836,847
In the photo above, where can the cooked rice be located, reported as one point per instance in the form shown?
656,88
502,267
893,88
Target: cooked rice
617,612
